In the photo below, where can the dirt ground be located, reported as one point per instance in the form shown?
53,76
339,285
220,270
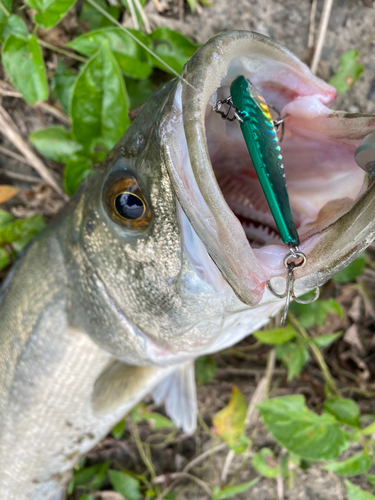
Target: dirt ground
352,363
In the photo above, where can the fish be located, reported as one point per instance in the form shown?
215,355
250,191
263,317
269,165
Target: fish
163,255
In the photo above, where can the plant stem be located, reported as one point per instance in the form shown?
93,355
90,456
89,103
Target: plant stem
4,9
62,51
141,449
367,43
318,355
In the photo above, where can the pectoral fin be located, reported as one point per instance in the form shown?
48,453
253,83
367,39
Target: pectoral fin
178,392
120,384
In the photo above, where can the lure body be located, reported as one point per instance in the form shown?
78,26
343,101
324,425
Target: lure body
261,140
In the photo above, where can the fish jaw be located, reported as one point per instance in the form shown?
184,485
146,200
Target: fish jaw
206,156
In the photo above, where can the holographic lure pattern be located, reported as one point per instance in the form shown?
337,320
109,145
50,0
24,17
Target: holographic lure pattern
263,145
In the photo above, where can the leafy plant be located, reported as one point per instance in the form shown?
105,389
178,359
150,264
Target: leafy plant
348,73
95,92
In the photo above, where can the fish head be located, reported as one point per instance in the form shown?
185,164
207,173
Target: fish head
186,274
332,199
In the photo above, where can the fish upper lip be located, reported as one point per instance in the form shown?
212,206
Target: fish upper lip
303,97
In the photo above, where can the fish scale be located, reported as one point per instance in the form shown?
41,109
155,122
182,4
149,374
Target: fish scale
261,140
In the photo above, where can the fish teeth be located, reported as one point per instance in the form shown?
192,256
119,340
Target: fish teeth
261,235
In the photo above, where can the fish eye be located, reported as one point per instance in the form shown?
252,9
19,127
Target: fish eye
129,206
125,201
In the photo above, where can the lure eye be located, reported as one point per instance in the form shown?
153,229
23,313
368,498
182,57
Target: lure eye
126,203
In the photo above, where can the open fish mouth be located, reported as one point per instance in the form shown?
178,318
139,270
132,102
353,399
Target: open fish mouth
332,199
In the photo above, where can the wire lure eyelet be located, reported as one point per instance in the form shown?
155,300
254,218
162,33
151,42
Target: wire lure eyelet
294,259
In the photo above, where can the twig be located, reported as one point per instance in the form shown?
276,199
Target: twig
247,372
182,475
21,177
158,7
252,414
63,52
7,90
133,14
15,156
168,490
202,456
9,130
310,40
318,355
54,112
367,43
321,34
280,488
142,13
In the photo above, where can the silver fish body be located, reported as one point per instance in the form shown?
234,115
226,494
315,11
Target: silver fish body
97,314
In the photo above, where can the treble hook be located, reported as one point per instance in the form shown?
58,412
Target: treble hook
291,265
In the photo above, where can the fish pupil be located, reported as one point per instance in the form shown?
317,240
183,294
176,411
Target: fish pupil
129,206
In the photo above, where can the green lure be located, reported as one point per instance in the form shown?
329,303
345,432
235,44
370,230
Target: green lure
261,140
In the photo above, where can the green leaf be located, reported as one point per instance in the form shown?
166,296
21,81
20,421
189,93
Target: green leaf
276,336
316,312
301,431
56,143
133,60
86,496
371,479
100,476
23,61
20,229
4,258
100,103
49,12
353,270
345,411
353,466
323,341
230,491
294,356
84,476
174,48
355,493
119,429
139,91
62,85
15,26
5,217
370,429
3,17
156,421
76,170
205,369
93,19
229,422
348,72
264,462
125,484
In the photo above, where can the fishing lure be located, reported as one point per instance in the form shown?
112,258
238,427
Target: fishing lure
259,130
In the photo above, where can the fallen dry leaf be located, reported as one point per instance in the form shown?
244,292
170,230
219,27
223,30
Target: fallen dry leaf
7,192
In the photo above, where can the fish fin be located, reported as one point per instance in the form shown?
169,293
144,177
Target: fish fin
118,383
179,394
